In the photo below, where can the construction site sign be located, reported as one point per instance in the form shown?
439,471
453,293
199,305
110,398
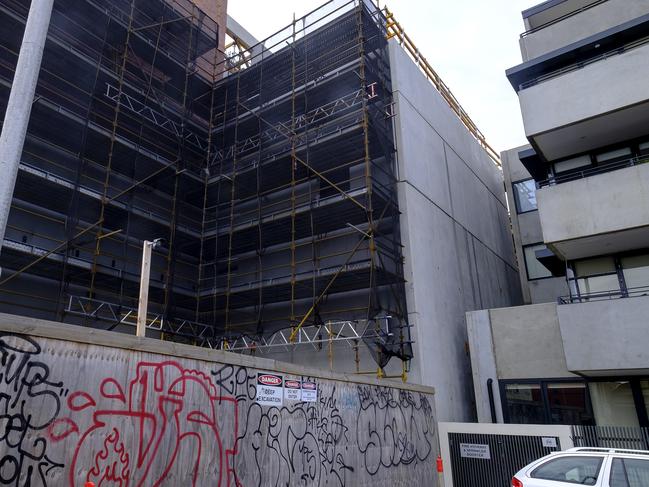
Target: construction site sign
270,390
292,390
309,391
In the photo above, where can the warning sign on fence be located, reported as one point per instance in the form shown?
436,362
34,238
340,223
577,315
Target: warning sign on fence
270,389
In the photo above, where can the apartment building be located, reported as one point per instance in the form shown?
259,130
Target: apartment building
576,353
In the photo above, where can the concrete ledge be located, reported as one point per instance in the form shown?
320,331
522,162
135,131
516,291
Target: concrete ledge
60,331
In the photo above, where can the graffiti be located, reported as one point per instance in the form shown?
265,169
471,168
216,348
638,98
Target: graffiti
302,444
169,417
29,403
155,422
393,428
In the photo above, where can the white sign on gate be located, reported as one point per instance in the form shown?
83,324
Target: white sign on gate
270,389
474,450
549,442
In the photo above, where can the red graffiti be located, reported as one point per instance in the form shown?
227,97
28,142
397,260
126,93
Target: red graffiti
164,429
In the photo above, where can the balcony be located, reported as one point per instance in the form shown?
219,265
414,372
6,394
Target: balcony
589,95
598,214
606,337
554,25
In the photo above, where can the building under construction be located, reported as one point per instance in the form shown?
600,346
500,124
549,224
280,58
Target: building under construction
280,177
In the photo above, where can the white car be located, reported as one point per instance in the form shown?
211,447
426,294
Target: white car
601,467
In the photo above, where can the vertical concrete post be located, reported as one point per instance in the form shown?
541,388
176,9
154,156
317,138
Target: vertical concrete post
144,289
20,102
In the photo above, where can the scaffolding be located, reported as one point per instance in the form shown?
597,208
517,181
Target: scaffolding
268,170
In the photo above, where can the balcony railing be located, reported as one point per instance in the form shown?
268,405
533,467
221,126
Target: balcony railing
605,295
585,62
592,171
563,17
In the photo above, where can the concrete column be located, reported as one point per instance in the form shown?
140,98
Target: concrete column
19,107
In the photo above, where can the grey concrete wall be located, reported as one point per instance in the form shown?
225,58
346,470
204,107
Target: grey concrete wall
578,217
82,404
584,24
455,231
526,229
527,342
483,365
606,337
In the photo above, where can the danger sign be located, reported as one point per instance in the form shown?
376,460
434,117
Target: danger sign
309,391
270,390
292,390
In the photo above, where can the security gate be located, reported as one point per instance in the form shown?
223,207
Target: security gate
488,460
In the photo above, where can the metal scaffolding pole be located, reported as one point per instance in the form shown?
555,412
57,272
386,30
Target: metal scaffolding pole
19,106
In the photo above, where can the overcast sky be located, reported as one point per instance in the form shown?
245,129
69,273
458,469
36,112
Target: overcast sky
470,43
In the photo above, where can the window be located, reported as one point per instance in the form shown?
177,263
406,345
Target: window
613,403
582,470
615,155
597,275
572,164
629,472
636,271
547,402
525,404
567,402
535,270
525,196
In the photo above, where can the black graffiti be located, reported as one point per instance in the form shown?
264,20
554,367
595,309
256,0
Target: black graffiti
304,444
28,405
393,428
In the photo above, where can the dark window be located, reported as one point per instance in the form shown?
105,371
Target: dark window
582,470
629,472
525,404
567,402
525,196
535,270
547,402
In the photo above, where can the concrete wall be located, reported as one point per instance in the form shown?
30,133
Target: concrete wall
527,342
577,216
606,337
567,102
589,22
82,404
483,365
526,228
455,231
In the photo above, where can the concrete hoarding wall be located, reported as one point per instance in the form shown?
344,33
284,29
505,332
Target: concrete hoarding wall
115,412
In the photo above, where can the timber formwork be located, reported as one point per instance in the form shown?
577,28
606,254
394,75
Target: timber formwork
272,182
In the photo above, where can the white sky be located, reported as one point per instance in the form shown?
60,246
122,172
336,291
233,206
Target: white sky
470,43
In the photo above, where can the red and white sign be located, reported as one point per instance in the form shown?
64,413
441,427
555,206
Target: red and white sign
309,391
270,390
292,390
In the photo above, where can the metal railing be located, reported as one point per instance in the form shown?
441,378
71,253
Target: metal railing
604,295
586,62
592,171
620,437
563,17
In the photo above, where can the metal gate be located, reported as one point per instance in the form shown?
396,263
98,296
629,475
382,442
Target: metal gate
486,460
611,437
